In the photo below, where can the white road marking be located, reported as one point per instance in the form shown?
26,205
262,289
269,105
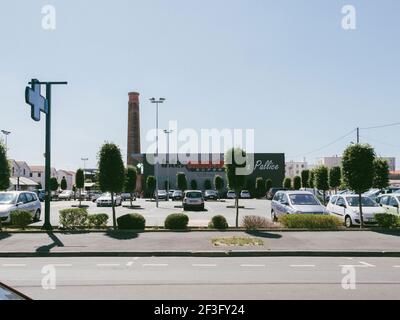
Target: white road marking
155,265
108,265
253,265
129,264
302,265
361,265
204,265
367,264
62,265
396,266
9,265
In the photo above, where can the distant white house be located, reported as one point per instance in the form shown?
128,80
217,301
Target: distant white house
293,168
69,176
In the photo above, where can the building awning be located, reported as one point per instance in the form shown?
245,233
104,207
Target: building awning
23,182
89,185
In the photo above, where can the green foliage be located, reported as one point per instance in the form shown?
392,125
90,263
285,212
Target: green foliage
305,178
4,168
235,161
287,183
207,185
218,182
296,183
256,223
321,178
151,184
130,179
111,172
358,167
260,187
54,184
79,179
193,184
381,176
387,221
268,185
310,221
181,181
74,218
63,184
21,218
218,222
311,180
176,221
132,221
335,177
98,221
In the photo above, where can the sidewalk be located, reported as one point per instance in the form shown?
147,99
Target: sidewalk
349,243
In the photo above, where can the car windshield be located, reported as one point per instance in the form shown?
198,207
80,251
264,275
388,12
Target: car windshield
193,195
210,192
365,202
162,192
7,198
303,200
7,294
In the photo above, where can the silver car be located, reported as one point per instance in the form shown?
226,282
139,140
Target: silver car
295,202
19,200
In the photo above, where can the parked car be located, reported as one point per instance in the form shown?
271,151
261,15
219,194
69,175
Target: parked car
390,203
126,196
66,195
373,193
105,200
162,195
177,195
170,193
210,195
94,195
193,199
41,194
346,207
245,194
8,293
271,193
295,202
231,194
19,200
392,190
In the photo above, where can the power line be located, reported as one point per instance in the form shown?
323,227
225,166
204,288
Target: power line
382,126
381,142
326,145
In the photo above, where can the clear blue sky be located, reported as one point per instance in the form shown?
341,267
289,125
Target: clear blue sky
285,68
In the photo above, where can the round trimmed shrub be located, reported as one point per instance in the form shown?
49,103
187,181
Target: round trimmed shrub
132,221
21,218
218,222
176,221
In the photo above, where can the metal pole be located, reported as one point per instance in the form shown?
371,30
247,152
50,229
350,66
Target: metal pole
358,135
47,224
157,154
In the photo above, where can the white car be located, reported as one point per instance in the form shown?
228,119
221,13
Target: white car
105,200
346,207
19,200
66,195
193,199
245,194
231,194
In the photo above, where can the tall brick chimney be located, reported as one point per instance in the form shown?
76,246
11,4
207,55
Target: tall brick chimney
134,150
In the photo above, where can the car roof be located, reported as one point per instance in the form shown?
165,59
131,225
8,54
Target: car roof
16,192
294,192
192,191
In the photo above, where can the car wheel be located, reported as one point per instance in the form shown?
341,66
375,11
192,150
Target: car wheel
36,217
348,223
273,216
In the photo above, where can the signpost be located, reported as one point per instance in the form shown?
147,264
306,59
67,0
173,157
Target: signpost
40,104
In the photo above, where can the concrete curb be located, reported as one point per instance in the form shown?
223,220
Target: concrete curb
209,254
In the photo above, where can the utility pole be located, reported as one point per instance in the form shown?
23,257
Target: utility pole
157,101
358,135
6,133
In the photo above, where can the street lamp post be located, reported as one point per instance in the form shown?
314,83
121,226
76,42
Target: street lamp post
84,167
6,133
157,102
168,132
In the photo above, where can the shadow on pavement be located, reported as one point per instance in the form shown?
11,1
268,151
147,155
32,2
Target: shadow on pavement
122,235
4,235
56,243
264,234
389,232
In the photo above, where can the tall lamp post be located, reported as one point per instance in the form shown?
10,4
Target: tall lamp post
84,167
6,133
168,132
157,102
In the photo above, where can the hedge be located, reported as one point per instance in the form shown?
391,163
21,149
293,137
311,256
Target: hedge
310,221
21,218
132,221
73,218
218,222
176,221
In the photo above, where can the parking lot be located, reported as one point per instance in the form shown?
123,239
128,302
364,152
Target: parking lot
156,216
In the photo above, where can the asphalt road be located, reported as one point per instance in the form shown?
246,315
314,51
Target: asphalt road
156,216
203,278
